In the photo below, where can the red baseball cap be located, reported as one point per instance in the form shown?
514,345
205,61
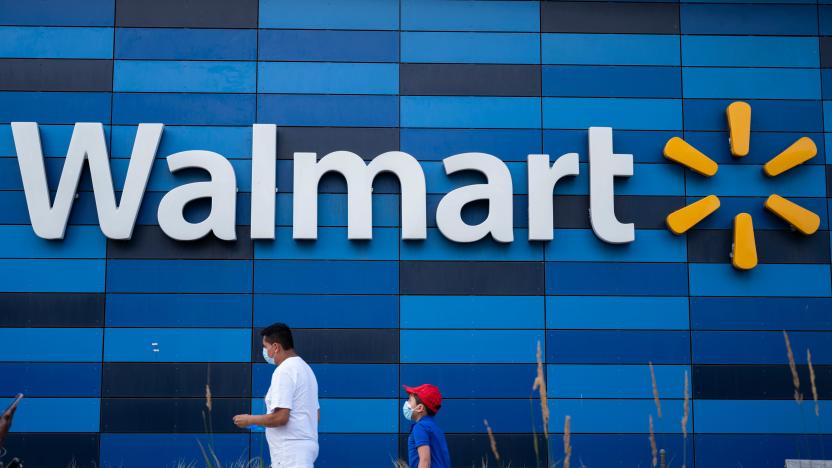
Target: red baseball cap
428,394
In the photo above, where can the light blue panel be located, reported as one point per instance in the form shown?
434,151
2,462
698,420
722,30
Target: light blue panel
438,247
617,416
300,110
331,244
759,417
60,12
54,139
326,14
376,415
764,280
184,108
616,381
750,51
610,49
328,78
78,242
427,144
741,180
595,312
332,210
231,142
469,112
54,107
40,42
466,47
184,76
469,346
162,179
451,15
39,344
619,113
38,414
208,276
177,345
582,245
472,312
51,275
756,83
178,310
326,277
438,181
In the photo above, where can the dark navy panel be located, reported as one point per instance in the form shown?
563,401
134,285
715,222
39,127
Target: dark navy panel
461,278
59,107
617,450
759,450
592,17
194,211
757,313
148,450
186,44
327,110
775,20
56,75
617,346
366,380
711,246
472,380
758,347
171,415
186,109
306,311
329,46
769,115
186,13
625,279
57,13
53,449
365,142
758,382
39,379
335,346
646,212
469,79
432,144
342,277
179,310
210,276
826,52
594,81
176,379
150,242
51,310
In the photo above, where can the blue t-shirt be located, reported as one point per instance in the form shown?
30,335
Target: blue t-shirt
426,432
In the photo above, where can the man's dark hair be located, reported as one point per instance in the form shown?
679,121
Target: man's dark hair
420,402
279,333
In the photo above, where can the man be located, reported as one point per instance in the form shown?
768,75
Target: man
292,410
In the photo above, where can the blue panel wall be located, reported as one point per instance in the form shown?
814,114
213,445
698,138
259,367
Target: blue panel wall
121,338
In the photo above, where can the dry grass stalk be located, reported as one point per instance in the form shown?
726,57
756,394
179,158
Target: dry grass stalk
492,440
798,397
400,463
208,403
655,389
567,442
540,385
812,381
686,408
653,443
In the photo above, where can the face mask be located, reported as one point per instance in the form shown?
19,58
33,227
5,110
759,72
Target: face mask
407,411
266,356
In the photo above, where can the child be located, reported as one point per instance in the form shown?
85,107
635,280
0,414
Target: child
426,445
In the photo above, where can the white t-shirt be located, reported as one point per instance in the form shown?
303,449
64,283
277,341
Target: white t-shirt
293,387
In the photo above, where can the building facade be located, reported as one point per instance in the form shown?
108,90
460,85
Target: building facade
117,342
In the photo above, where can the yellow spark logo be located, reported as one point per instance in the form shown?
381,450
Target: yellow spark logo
744,254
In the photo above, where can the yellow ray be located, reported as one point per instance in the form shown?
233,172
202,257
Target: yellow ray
798,153
739,127
802,219
744,256
682,152
685,218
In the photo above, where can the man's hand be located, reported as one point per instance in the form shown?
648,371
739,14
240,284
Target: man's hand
6,422
243,420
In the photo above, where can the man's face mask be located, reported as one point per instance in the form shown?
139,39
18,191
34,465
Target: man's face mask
269,359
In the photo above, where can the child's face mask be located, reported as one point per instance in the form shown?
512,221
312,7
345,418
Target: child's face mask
407,411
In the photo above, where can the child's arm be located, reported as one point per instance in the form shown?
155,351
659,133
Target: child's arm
424,456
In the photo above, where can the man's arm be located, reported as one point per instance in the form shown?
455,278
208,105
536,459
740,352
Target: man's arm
424,456
278,417
6,423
